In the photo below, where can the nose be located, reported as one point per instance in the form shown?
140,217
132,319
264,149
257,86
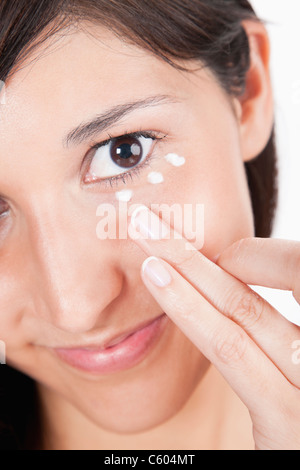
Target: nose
75,275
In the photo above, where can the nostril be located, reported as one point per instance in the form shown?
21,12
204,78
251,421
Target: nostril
79,307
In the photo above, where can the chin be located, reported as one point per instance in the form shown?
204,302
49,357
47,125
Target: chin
148,400
132,401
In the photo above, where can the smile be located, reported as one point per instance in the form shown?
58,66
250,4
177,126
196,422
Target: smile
122,353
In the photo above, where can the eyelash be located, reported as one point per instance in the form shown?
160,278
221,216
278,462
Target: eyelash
114,181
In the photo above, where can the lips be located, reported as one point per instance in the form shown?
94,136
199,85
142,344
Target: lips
120,353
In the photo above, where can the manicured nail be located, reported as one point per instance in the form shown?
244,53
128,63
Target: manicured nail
156,272
148,224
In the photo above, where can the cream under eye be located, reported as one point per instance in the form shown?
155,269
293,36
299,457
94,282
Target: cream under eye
118,156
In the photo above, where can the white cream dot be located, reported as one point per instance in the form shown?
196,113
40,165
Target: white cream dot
155,177
125,195
175,159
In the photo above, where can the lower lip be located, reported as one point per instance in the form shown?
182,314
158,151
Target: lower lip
121,356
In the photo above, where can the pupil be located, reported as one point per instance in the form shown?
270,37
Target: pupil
126,152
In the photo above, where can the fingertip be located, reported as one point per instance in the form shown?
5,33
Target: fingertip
154,270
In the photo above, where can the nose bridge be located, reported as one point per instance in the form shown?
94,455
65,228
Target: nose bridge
73,290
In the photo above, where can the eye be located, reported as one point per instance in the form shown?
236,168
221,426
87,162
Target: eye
4,208
118,156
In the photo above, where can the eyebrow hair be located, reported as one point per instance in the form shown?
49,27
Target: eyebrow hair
112,116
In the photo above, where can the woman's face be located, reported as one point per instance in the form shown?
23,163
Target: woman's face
63,286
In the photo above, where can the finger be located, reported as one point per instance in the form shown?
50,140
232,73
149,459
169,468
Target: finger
265,262
269,329
249,372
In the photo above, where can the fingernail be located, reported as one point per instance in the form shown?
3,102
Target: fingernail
156,272
148,224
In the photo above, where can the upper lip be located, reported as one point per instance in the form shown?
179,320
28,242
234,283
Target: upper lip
113,340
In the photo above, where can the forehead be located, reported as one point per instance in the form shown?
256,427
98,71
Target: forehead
79,73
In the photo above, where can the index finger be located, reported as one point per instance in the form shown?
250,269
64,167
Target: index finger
227,294
223,342
265,262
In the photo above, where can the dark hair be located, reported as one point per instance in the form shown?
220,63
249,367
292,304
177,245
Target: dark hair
209,31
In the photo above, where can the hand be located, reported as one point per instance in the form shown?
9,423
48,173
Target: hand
247,340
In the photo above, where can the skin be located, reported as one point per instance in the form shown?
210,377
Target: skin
55,291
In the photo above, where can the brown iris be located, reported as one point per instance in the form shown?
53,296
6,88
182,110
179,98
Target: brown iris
126,152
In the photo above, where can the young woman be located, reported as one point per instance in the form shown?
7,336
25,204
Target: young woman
146,341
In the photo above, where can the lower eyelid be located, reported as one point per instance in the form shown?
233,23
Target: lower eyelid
114,181
129,173
126,177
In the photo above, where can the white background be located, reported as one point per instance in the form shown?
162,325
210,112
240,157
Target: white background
282,19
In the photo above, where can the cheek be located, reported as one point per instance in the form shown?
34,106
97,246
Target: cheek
221,206
219,182
202,189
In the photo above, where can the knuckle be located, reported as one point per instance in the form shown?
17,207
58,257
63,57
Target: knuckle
246,309
239,246
231,348
187,259
238,250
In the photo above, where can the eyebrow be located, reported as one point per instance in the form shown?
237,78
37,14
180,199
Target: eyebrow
112,116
